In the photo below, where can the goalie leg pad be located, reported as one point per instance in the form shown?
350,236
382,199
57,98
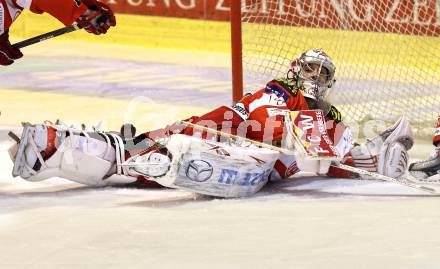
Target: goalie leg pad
79,158
216,169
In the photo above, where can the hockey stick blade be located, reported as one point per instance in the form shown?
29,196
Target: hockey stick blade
388,179
49,35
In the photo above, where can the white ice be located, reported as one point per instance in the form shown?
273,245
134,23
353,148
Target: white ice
301,223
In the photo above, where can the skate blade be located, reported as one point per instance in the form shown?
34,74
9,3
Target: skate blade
20,152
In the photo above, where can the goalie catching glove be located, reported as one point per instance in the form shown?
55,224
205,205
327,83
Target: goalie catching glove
385,154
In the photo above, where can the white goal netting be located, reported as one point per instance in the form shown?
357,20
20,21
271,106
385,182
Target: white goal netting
387,53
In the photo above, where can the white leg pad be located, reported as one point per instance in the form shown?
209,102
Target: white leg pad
81,159
216,169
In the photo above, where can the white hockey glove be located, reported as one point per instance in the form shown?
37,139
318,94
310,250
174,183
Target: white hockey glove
386,153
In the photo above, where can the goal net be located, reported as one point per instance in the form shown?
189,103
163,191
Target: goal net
387,54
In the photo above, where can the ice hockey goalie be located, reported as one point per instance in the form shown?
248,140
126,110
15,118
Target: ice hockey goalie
178,156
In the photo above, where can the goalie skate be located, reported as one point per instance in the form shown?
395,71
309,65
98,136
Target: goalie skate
152,164
427,171
28,152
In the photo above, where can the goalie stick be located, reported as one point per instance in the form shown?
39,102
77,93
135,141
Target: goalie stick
404,182
49,35
300,150
220,133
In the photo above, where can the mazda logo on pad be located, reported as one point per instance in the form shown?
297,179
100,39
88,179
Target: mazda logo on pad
199,170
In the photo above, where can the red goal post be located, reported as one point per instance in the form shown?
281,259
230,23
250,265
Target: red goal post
236,51
387,53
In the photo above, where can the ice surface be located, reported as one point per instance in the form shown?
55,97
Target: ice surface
301,223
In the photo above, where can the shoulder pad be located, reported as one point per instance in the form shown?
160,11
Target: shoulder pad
334,114
281,85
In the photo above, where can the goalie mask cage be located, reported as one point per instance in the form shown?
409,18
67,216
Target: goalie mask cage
387,54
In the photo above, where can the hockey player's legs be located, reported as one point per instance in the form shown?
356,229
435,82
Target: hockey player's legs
179,161
47,150
91,158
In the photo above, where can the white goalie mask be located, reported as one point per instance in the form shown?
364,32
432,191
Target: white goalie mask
313,72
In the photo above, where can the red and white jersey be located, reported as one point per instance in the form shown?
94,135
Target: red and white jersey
264,110
9,11
66,11
258,116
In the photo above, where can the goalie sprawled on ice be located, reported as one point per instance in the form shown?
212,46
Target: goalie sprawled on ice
186,157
